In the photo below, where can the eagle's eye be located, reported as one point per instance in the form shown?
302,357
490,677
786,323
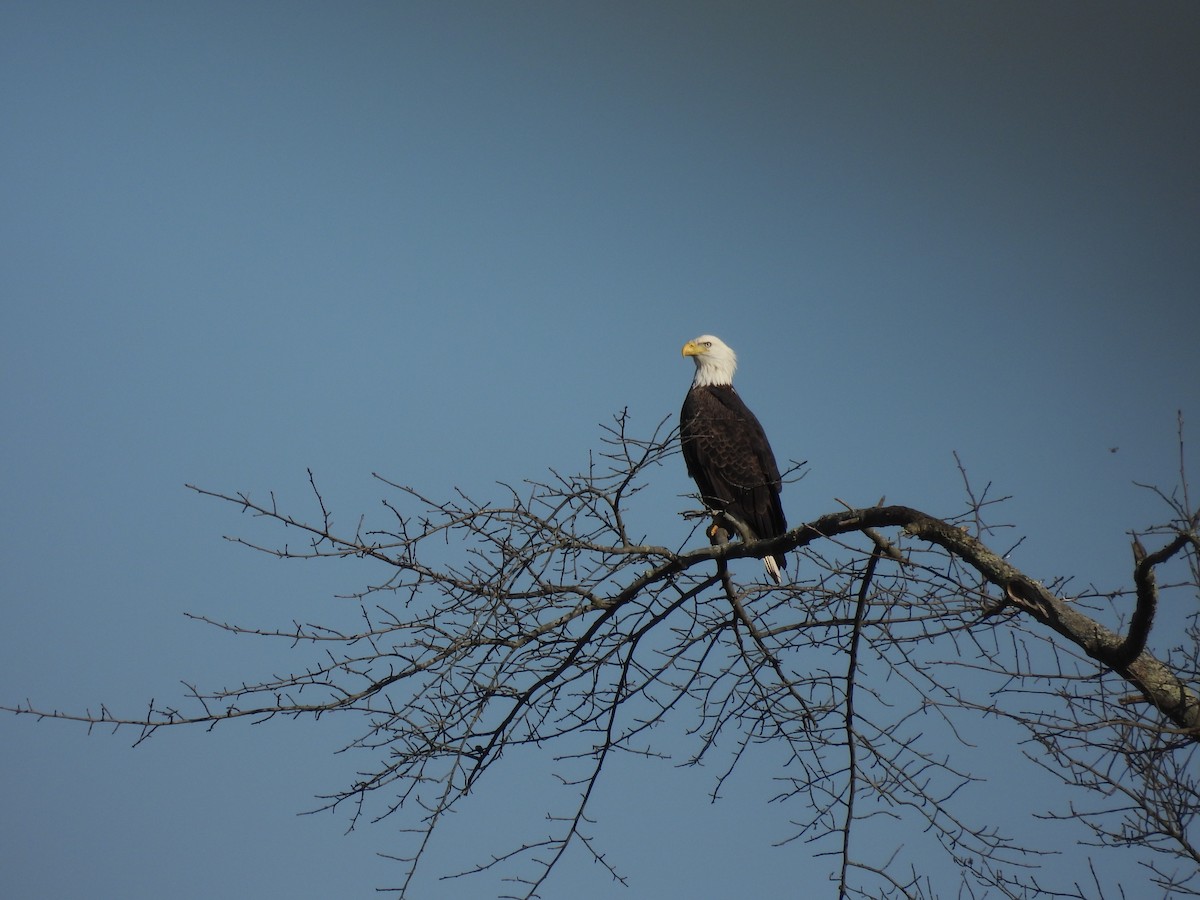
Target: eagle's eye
708,345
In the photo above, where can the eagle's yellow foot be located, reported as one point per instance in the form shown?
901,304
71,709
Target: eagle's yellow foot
717,533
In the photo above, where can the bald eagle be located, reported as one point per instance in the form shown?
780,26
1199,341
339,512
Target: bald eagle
726,450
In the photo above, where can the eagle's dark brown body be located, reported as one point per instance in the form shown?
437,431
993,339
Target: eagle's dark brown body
728,455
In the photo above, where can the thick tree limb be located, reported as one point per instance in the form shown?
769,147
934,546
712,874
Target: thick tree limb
1156,682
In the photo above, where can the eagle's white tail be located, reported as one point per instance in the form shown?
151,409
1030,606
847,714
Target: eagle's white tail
773,569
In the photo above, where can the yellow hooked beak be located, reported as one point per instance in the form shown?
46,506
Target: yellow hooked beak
691,348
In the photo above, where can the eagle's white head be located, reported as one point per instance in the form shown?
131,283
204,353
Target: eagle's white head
715,360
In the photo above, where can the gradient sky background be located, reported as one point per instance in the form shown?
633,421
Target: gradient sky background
444,242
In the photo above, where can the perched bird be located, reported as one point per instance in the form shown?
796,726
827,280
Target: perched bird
726,450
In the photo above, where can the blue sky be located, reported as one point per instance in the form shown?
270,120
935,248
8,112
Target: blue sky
444,242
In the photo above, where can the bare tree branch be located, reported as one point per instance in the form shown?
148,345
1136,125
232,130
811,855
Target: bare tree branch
544,619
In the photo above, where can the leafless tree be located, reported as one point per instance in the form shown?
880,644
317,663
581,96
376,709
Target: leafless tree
547,623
